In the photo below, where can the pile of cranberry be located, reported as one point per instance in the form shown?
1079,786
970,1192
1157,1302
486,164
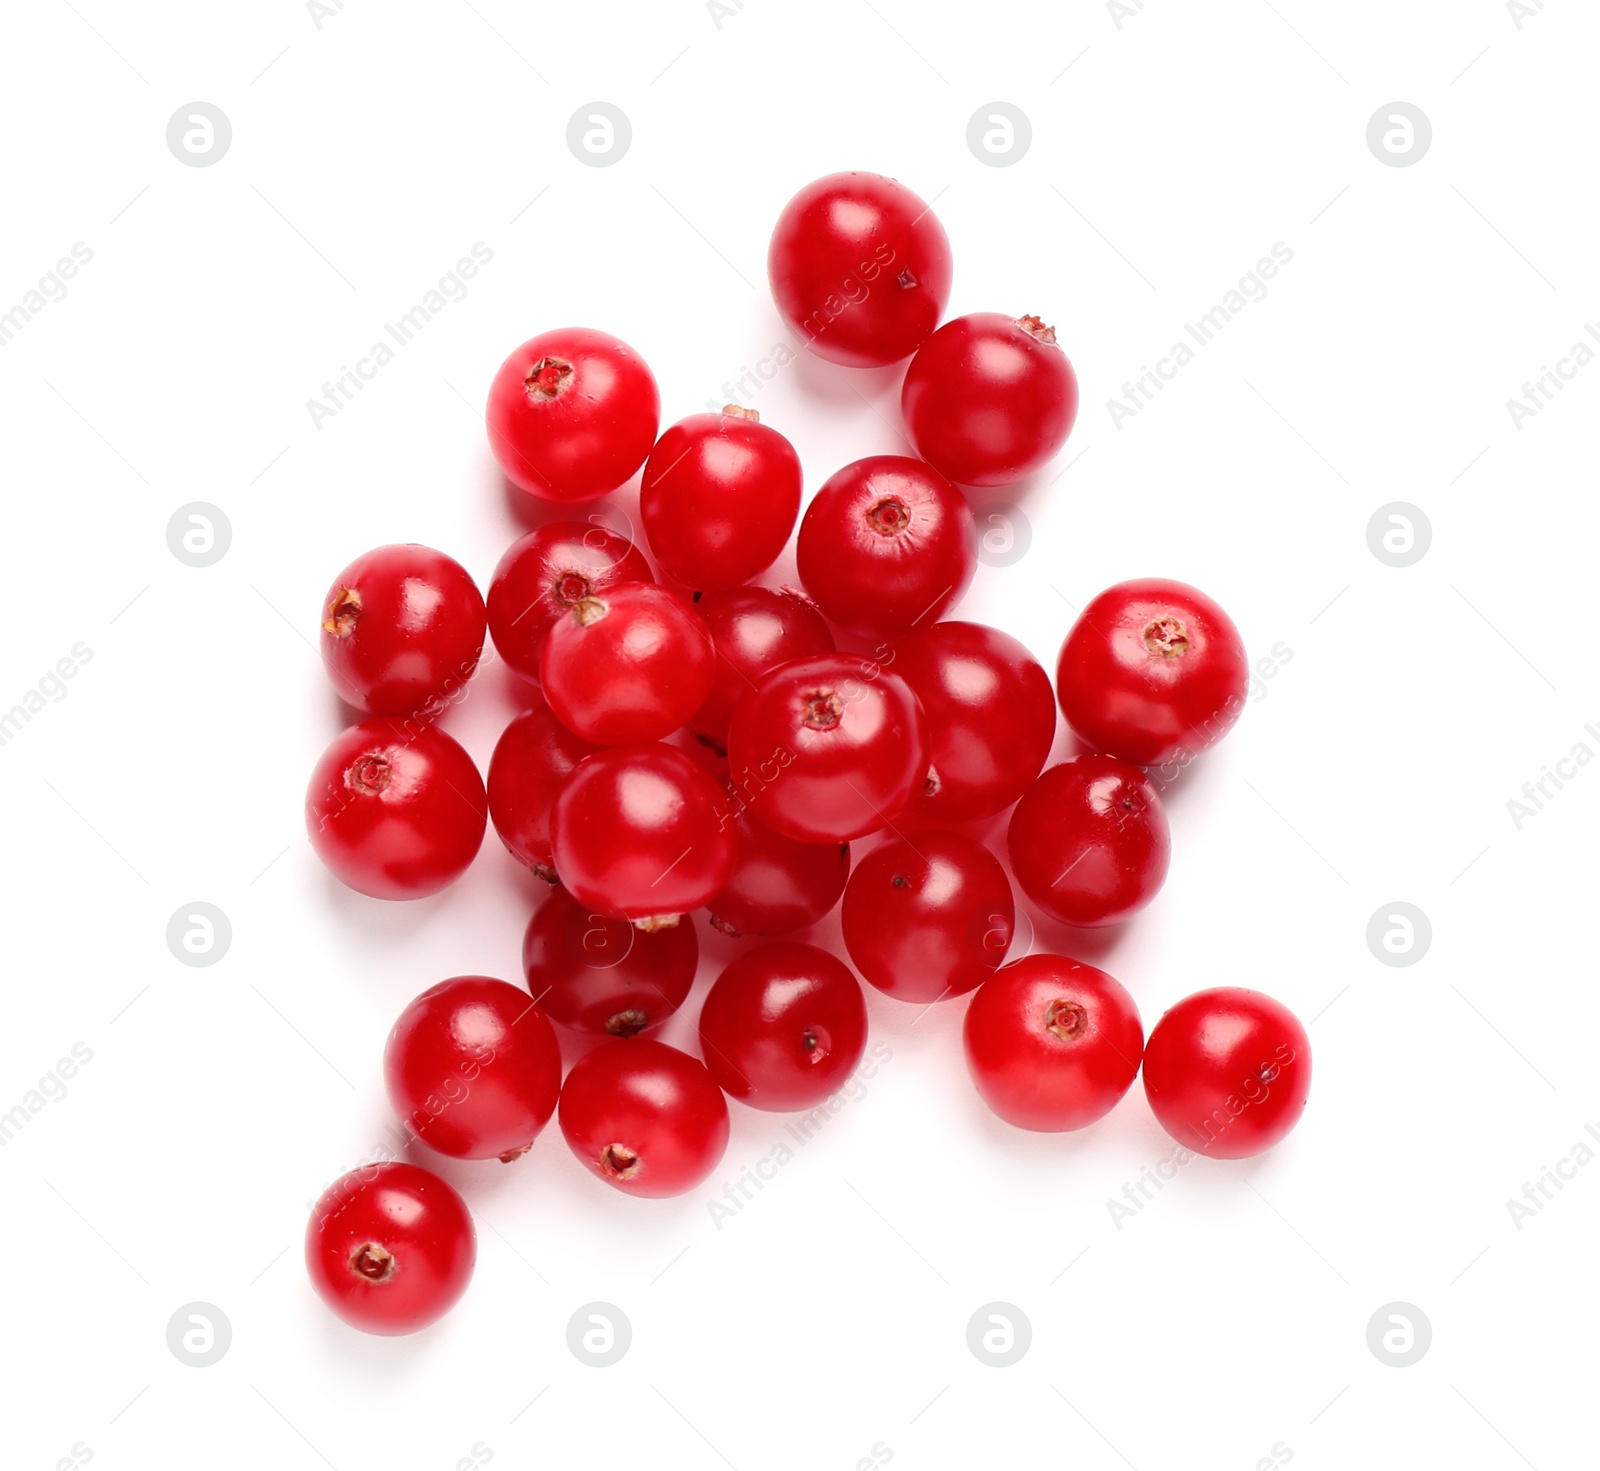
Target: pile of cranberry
714,749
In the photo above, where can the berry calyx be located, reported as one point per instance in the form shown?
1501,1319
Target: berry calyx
1035,327
548,378
342,611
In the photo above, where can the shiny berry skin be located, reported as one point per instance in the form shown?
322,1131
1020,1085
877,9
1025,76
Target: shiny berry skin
546,574
783,1027
989,399
390,1248
596,974
928,915
719,498
753,631
630,664
991,718
887,544
642,833
779,885
532,760
395,809
402,628
1052,1044
860,268
828,748
1153,671
1089,841
644,1117
1227,1072
473,1068
572,414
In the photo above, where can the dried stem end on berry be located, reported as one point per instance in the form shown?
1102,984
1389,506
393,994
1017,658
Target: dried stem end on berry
1066,1020
618,1162
373,1262
816,1047
1166,636
590,609
627,1023
368,774
739,411
823,710
890,516
547,873
516,1153
931,783
342,611
1035,327
731,931
571,588
654,922
548,378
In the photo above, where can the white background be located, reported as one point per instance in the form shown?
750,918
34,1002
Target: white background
828,1317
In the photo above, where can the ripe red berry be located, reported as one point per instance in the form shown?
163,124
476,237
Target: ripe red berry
860,268
596,974
532,759
989,398
548,573
783,1027
991,718
719,498
1152,671
753,631
395,810
473,1068
886,544
390,1248
1052,1044
572,414
402,628
642,833
646,1118
779,885
928,915
1089,841
828,748
1227,1072
626,665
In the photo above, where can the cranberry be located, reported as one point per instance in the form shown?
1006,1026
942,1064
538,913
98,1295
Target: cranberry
1089,841
991,718
1152,671
572,414
779,885
534,756
719,498
753,631
395,810
989,398
642,833
783,1027
473,1068
597,974
549,572
927,916
1227,1072
646,1118
828,748
886,544
390,1248
402,628
1052,1044
860,268
626,665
